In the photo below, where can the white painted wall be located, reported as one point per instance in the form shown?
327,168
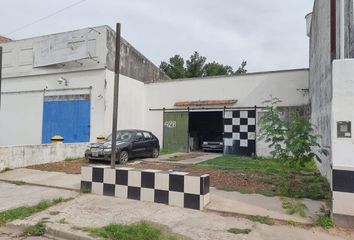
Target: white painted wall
249,90
343,110
21,113
131,104
23,156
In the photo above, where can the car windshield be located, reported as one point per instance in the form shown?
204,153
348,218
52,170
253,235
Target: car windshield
122,136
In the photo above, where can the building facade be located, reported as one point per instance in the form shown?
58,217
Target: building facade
61,84
331,95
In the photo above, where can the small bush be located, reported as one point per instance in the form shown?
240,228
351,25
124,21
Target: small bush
294,206
239,231
36,230
324,221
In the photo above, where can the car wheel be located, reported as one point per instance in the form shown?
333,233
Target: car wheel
155,153
123,157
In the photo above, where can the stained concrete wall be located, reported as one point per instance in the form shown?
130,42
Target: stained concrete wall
320,84
348,28
23,156
132,63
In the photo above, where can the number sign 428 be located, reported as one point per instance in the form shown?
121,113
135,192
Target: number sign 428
170,124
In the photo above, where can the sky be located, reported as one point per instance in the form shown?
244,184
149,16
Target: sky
268,34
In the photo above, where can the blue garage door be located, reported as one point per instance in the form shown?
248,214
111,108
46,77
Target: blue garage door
67,116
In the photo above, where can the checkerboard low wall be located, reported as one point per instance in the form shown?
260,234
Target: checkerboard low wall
182,189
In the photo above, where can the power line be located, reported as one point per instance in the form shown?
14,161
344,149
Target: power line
45,17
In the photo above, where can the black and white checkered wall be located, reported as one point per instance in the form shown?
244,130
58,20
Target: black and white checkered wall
240,132
182,189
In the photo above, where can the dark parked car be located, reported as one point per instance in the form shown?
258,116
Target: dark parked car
213,143
130,144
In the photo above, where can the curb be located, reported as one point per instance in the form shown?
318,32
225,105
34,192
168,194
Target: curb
40,185
246,216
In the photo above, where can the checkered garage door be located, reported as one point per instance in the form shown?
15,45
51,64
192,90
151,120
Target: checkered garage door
240,132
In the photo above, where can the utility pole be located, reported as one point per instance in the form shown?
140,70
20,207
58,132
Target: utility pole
115,98
0,72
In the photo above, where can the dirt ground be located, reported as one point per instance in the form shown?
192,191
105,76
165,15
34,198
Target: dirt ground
218,178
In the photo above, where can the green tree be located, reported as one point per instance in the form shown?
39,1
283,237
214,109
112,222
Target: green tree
174,68
242,69
215,69
273,129
291,140
195,65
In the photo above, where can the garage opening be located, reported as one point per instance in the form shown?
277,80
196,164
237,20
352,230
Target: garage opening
206,131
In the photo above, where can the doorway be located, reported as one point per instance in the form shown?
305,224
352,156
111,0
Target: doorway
206,131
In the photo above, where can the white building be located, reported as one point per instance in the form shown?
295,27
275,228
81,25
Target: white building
62,84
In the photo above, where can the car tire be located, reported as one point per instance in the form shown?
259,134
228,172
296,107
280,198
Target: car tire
155,153
123,157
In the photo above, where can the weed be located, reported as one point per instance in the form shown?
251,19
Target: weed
63,221
5,170
35,230
294,206
261,219
234,189
18,183
85,190
324,221
267,193
26,211
53,213
293,223
142,230
239,231
74,159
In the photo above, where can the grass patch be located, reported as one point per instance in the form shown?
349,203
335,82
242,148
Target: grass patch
293,223
26,211
234,189
286,181
324,221
261,219
142,230
293,206
239,231
35,230
267,193
165,152
74,159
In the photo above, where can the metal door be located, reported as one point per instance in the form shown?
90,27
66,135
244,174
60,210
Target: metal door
240,132
175,131
67,116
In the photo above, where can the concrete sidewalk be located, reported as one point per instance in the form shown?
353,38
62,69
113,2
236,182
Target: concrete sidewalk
43,178
256,204
222,201
13,196
96,211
